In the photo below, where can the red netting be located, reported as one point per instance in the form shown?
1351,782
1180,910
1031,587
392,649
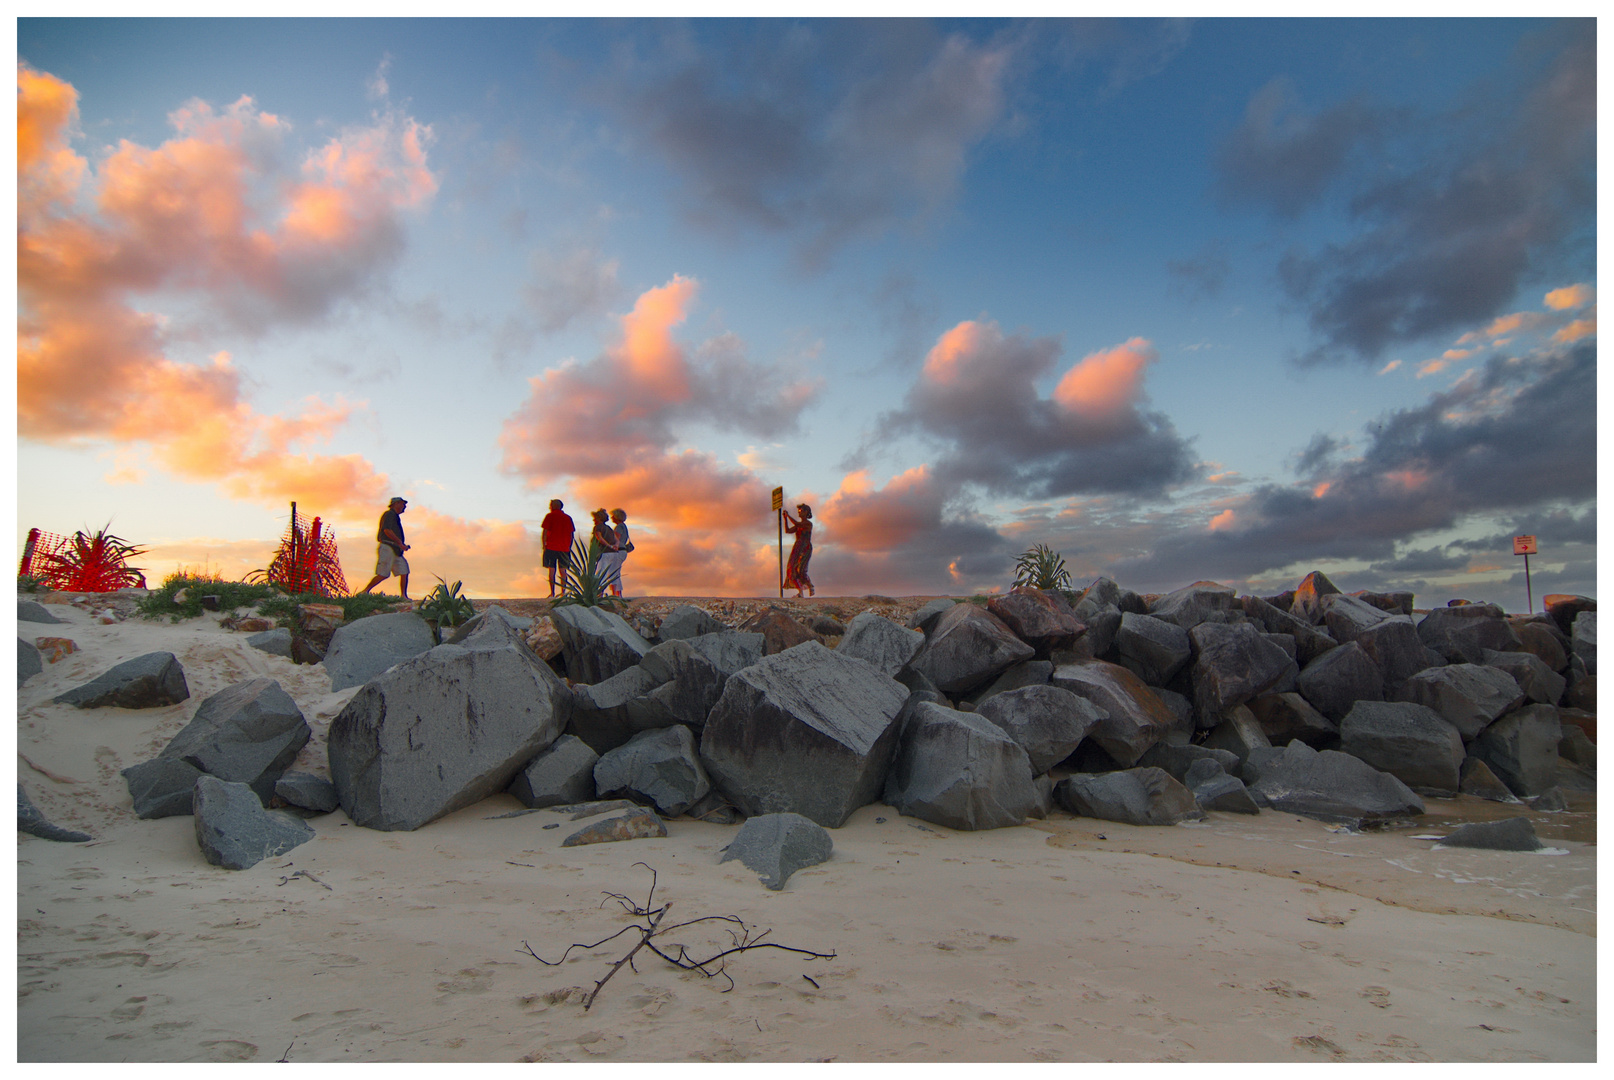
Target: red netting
83,562
307,561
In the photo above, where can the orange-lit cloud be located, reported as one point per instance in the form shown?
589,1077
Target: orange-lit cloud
867,519
1223,521
1569,297
1104,383
1580,328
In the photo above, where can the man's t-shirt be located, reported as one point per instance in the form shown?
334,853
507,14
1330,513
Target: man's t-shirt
389,520
558,530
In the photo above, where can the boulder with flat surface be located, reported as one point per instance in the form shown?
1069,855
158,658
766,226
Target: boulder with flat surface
728,650
1508,834
607,714
777,845
1233,664
1462,634
1563,608
249,732
275,642
1307,601
661,767
444,730
687,621
1310,642
34,823
1583,640
1048,722
1340,678
1026,673
235,831
1102,619
1521,748
303,791
1176,760
1542,640
1536,681
1214,789
690,683
161,787
779,630
968,646
1467,696
806,731
34,611
1285,717
149,681
923,619
955,769
1330,786
453,635
1239,732
561,774
29,662
364,648
639,823
1346,617
1476,778
1194,604
1042,619
1136,717
1393,645
1152,649
597,643
879,642
1133,796
1409,741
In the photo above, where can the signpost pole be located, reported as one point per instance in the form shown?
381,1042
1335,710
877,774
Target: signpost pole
1526,546
1529,597
779,513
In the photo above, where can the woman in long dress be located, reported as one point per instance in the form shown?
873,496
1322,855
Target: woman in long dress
796,569
624,544
601,547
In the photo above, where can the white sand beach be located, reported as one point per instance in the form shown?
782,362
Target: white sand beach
1268,938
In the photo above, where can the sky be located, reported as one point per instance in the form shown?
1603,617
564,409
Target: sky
1213,299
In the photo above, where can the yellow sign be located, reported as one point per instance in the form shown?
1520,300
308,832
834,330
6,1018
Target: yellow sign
1524,545
778,498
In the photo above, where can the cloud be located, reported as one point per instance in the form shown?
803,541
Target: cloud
1200,276
1569,297
1575,331
1507,188
577,284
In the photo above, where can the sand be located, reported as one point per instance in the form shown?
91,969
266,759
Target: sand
1269,938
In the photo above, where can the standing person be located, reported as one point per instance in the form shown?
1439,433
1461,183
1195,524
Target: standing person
796,569
557,531
601,545
624,544
389,552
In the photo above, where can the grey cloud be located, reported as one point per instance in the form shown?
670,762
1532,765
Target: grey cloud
1317,454
1431,560
1200,276
578,284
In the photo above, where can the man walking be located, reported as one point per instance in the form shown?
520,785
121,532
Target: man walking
557,530
389,552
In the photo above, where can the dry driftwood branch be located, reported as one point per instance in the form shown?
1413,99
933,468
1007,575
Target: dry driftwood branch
740,934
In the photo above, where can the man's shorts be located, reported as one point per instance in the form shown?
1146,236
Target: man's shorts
389,562
555,559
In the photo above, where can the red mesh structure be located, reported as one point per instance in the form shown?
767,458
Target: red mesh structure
307,561
83,562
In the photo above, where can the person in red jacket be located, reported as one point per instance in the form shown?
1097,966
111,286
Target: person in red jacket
557,530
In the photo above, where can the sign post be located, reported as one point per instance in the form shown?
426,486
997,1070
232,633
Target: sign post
1526,546
779,512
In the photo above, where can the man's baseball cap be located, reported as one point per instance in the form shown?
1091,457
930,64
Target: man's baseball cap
398,498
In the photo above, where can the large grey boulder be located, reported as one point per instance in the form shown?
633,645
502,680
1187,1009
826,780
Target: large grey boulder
453,635
639,823
777,845
1048,722
276,642
33,611
1307,602
661,767
235,831
161,787
1538,682
1194,604
1042,619
34,823
146,682
1508,834
955,769
1521,748
1286,717
1410,742
444,730
29,662
1564,608
1102,619
1310,642
690,683
1347,618
1394,646
1135,796
1476,778
1467,696
1239,733
1330,786
687,621
307,792
248,733
967,647
1152,649
1233,664
1026,673
928,613
805,731
1339,678
729,650
1584,640
1542,639
1135,716
1176,760
1214,789
597,643
364,648
880,642
1462,634
560,775
606,714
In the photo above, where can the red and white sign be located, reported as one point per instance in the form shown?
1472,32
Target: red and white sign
1524,545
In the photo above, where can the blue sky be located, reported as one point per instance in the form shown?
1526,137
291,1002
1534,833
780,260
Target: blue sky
1225,298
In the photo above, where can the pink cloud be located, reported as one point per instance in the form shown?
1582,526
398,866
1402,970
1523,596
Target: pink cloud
1569,297
1107,382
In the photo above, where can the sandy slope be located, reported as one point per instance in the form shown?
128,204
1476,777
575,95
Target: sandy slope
1065,940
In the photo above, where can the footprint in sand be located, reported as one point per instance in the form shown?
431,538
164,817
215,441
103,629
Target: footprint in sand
230,1050
1377,996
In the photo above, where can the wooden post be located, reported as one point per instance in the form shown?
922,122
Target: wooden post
1529,597
779,509
292,570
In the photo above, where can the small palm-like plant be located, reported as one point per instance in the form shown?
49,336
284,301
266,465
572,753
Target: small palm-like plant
1041,568
93,563
585,586
447,606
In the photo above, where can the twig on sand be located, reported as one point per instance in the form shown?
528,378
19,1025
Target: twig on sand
305,874
42,771
741,935
285,1058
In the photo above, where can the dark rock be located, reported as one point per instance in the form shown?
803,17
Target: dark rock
1136,718
777,845
926,616
1564,607
1232,664
779,631
1409,741
1285,717
1043,620
1477,779
560,774
957,770
1577,747
29,662
1395,603
1194,604
1238,733
1521,748
1393,645
1307,602
690,683
1467,696
1260,759
1538,682
636,824
1340,678
827,626
1152,649
1046,721
880,643
806,731
915,682
1214,789
306,651
1177,760
33,611
1582,696
728,650
161,787
1542,643
1310,642
1182,709
1584,640
276,642
1021,675
453,635
146,682
715,808
235,831
34,823
1330,786
247,733
967,647
1508,834
1347,618
661,767
307,792
444,730
1102,620
597,643
1551,801
687,621
362,649
1134,796
1462,634
607,714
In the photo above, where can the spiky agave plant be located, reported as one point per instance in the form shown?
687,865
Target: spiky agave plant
95,562
585,585
1041,568
447,606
